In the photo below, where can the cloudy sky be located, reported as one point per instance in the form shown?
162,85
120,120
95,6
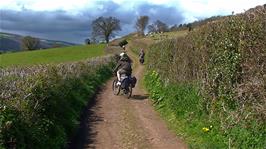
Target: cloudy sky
70,20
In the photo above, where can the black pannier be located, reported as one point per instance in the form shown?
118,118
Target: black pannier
133,81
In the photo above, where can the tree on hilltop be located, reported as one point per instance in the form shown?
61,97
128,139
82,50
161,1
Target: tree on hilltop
141,24
158,27
30,43
105,27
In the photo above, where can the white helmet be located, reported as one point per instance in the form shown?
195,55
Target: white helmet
122,54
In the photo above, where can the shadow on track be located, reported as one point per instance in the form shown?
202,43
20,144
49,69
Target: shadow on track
85,137
140,97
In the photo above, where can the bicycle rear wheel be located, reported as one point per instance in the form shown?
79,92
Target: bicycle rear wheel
115,87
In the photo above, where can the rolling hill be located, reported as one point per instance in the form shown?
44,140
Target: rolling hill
12,42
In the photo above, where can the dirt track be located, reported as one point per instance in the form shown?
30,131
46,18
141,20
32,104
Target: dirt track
115,122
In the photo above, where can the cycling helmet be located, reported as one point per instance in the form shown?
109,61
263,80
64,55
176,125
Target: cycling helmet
122,54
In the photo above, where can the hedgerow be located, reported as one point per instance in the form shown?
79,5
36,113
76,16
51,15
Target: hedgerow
226,61
40,105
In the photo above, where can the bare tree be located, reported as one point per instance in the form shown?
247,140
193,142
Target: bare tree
158,26
105,27
161,27
141,24
189,26
152,28
173,28
30,43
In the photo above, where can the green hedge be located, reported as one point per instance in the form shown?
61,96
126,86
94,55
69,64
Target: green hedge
40,106
226,61
183,107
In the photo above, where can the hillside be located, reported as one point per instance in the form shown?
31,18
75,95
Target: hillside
12,42
54,55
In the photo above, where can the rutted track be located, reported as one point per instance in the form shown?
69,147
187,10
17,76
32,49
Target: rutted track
115,122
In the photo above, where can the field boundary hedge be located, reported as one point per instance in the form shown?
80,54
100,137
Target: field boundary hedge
226,61
41,105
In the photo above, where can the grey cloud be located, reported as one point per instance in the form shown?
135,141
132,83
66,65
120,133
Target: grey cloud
60,25
169,15
53,25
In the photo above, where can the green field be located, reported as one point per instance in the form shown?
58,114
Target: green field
55,55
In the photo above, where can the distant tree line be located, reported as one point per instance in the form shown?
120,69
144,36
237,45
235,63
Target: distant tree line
106,27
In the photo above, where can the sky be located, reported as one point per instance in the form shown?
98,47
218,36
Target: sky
70,20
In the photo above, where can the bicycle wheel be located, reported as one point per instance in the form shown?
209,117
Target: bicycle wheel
115,87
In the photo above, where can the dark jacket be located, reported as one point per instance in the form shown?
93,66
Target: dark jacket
141,54
124,64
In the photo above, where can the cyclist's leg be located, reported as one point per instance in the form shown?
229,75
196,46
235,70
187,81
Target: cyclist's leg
118,74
